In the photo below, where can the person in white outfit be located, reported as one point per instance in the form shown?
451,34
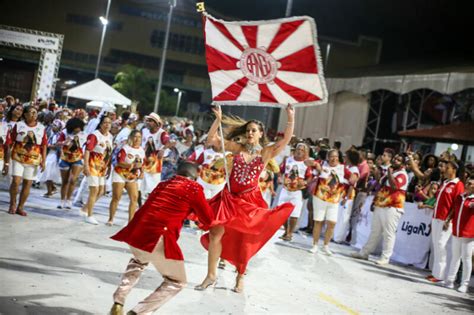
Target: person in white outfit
388,207
26,147
462,245
450,189
71,141
327,196
127,171
51,173
154,141
107,109
3,140
212,172
351,160
97,161
296,175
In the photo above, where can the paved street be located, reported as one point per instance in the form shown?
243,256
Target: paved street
53,263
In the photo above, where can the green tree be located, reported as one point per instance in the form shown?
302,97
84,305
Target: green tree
136,84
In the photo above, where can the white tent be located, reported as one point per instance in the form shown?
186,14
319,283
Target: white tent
97,90
96,104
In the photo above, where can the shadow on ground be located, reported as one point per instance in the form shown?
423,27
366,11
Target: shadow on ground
460,303
29,304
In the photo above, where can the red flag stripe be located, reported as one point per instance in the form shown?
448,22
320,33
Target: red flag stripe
301,96
303,60
217,60
285,30
250,33
233,91
266,95
221,27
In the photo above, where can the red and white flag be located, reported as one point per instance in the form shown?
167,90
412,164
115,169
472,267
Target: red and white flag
269,63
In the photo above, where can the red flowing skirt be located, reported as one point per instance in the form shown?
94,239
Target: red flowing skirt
248,224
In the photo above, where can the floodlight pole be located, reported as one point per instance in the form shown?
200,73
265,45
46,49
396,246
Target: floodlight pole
289,5
102,38
172,4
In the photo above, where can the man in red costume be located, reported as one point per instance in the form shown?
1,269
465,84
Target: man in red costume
153,234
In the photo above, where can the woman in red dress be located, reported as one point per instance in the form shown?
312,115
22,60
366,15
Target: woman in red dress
243,223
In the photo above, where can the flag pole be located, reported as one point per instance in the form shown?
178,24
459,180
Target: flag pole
221,134
201,9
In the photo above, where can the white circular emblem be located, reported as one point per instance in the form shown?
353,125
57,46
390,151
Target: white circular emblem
258,66
449,190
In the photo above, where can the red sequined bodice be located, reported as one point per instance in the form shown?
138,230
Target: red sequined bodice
244,175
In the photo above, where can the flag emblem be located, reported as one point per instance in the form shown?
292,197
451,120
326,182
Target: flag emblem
270,63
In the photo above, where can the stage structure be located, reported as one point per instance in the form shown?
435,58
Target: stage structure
49,45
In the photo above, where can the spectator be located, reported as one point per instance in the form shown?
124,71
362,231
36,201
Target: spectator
127,171
71,141
97,160
327,197
450,189
388,207
463,237
27,143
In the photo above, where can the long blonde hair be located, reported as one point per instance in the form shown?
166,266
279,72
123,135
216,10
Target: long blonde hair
236,126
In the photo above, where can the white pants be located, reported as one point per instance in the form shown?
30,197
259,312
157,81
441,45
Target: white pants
26,171
324,211
210,190
461,249
149,182
82,191
172,271
293,197
343,222
440,240
384,224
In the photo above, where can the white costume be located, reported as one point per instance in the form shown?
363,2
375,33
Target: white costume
294,181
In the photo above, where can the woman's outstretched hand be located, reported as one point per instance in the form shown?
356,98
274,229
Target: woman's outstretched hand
290,111
218,112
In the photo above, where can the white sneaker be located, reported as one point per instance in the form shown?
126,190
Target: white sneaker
91,220
326,250
359,255
449,285
82,213
382,261
313,249
462,288
68,205
60,205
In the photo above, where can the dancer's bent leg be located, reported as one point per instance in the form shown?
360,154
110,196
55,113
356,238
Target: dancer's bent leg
130,278
174,281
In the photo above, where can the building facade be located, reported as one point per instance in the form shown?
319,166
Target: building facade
135,35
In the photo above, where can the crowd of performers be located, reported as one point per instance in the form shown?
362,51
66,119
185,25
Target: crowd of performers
180,174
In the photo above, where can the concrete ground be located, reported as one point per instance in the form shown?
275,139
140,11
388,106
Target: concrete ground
53,263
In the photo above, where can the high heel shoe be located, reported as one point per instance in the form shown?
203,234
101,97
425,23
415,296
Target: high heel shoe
221,264
117,309
239,284
203,286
